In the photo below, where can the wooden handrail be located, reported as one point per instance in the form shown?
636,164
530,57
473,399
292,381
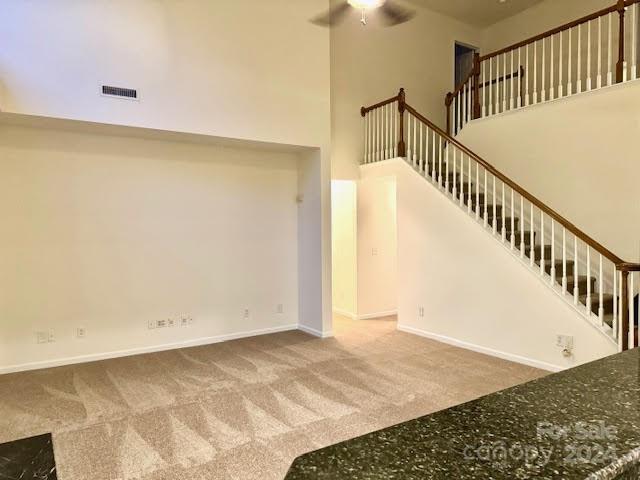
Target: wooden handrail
365,110
553,31
521,191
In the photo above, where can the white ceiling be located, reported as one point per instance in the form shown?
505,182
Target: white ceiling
480,13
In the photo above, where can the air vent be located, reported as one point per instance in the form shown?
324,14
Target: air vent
119,92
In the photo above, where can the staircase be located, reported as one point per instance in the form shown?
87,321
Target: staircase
602,288
592,52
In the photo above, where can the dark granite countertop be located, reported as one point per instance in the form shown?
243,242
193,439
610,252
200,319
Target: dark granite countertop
570,425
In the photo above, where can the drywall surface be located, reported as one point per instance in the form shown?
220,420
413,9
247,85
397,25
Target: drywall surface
579,155
110,233
344,232
473,291
377,247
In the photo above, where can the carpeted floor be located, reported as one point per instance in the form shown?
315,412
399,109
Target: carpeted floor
242,409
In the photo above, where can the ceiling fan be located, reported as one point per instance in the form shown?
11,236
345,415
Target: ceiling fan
392,13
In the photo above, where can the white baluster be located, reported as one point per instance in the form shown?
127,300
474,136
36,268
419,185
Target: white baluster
461,199
440,153
599,78
388,131
378,136
446,179
615,302
579,79
552,78
526,50
469,103
542,244
409,151
522,227
519,100
560,68
463,92
504,83
503,229
570,66
491,86
589,280
484,91
495,207
469,185
477,191
609,50
634,39
544,70
454,190
576,289
564,260
366,139
535,73
601,293
486,199
512,237
511,92
589,57
415,140
433,155
421,158
553,253
532,240
632,310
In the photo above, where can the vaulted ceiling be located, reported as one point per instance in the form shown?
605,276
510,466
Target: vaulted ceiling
480,13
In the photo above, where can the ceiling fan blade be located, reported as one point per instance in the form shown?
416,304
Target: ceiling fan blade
334,16
393,14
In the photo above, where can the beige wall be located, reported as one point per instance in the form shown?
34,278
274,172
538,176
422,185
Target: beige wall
377,248
371,63
234,68
344,233
579,155
108,233
474,292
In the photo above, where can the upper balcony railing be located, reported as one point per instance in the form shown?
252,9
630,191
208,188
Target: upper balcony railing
595,51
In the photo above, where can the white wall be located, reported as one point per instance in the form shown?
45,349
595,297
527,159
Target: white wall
377,248
370,64
234,68
578,155
108,233
344,233
474,292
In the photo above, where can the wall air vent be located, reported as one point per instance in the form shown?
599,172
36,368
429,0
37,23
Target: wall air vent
119,92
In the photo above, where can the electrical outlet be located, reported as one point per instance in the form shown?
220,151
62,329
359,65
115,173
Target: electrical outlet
421,312
161,323
184,321
152,324
171,323
51,337
564,341
280,308
374,252
42,337
246,314
81,332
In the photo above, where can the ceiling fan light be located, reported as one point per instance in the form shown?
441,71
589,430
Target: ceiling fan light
366,4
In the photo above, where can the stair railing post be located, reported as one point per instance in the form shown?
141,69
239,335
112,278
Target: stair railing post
402,148
447,102
624,327
620,64
476,85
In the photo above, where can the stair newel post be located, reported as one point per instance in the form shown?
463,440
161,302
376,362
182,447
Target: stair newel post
402,148
624,324
620,64
476,85
447,102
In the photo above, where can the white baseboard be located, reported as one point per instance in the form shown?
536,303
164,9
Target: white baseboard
344,313
480,349
139,351
314,332
371,316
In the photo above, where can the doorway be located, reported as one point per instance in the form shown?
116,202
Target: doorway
463,61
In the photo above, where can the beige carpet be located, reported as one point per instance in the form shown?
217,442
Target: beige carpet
243,409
